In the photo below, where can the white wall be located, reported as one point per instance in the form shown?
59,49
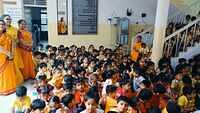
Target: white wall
106,34
14,8
118,8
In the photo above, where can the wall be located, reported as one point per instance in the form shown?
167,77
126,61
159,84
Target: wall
106,33
14,8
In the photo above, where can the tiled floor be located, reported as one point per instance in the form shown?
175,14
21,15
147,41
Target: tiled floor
6,101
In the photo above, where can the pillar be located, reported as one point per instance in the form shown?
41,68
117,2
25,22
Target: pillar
159,29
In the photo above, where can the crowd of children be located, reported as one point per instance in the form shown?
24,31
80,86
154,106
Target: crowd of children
75,80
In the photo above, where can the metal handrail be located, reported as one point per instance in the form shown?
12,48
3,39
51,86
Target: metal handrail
182,29
187,36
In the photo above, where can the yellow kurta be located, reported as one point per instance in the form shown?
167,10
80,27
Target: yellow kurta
9,77
12,32
25,45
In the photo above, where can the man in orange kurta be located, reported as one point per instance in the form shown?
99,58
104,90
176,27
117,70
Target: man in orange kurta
25,45
136,47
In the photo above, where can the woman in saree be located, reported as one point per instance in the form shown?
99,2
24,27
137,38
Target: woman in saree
25,45
12,32
9,78
136,47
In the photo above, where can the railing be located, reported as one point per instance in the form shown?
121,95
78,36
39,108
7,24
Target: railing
181,39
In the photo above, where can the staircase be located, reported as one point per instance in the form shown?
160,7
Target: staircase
179,10
183,43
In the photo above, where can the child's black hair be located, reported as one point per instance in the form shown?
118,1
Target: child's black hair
59,62
54,48
45,90
52,55
48,46
110,89
79,80
150,63
159,88
123,98
21,91
187,90
93,93
187,80
55,99
67,99
109,74
154,110
112,112
36,53
20,21
41,65
147,83
133,101
172,107
43,55
145,94
67,85
182,60
42,77
38,104
125,76
68,79
197,88
123,82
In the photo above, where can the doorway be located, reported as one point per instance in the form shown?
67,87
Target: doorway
36,18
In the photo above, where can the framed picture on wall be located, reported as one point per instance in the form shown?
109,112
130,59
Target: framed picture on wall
62,17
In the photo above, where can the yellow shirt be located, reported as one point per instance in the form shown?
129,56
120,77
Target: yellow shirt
182,101
110,103
21,105
164,110
12,31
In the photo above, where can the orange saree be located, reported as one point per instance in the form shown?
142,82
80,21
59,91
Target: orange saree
9,77
25,45
135,51
12,32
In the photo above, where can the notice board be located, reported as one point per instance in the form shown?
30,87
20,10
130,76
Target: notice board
84,15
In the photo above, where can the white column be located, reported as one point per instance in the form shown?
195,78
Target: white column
159,29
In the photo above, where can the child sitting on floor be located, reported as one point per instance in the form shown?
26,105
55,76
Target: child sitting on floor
23,102
38,106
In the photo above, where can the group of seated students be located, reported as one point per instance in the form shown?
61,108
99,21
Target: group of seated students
75,80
